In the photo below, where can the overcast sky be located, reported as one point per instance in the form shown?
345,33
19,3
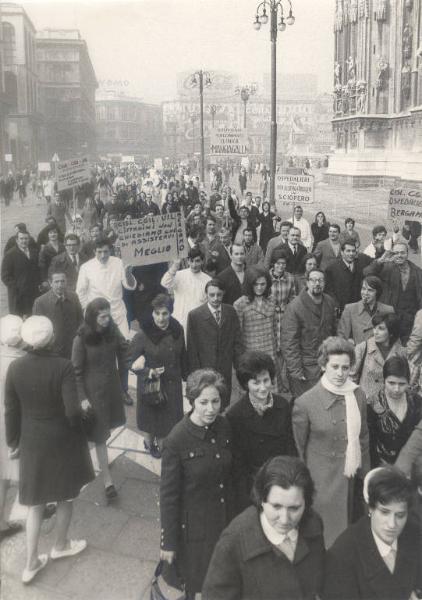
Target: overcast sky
147,42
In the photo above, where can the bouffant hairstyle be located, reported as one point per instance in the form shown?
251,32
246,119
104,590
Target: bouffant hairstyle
392,322
202,378
252,274
286,472
251,364
387,485
335,345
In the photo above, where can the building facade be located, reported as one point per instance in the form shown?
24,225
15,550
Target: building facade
21,119
67,93
127,126
377,92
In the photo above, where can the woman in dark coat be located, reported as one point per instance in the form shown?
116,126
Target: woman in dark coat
161,343
195,492
275,549
319,229
261,424
266,218
42,416
97,347
53,248
380,556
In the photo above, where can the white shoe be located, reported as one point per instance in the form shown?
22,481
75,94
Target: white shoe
75,547
29,574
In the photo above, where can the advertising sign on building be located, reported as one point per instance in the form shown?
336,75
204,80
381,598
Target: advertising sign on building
228,141
404,204
152,239
72,172
293,189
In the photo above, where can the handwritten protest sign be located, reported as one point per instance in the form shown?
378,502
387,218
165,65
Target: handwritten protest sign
404,204
152,239
72,172
228,141
293,189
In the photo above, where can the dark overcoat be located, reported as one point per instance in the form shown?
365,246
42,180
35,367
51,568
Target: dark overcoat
42,416
246,566
195,494
256,439
21,276
356,571
63,264
47,254
213,345
97,376
234,289
168,352
341,283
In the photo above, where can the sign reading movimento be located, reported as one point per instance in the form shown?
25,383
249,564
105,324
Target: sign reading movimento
228,141
74,171
293,189
404,204
152,239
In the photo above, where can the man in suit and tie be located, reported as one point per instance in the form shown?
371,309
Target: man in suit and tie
212,246
64,310
295,251
69,261
328,250
277,242
213,336
20,274
233,277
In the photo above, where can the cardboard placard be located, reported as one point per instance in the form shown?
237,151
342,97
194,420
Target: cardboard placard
72,172
293,189
404,204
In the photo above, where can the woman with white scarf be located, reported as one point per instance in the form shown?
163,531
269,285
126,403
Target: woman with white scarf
331,433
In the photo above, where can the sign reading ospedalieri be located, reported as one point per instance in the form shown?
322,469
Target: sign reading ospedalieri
293,189
229,141
72,172
404,204
152,239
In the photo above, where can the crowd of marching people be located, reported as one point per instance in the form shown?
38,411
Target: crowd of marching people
296,471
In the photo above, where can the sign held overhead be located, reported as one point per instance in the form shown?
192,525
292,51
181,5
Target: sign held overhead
72,172
293,189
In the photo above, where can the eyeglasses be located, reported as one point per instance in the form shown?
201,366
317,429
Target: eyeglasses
319,280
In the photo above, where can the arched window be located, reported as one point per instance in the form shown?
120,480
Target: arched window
9,44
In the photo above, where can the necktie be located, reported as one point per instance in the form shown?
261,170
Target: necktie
217,315
294,250
390,560
287,549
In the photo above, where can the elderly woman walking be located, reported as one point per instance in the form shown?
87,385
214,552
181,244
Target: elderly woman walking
43,421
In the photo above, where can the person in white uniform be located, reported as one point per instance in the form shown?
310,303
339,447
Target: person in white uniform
305,229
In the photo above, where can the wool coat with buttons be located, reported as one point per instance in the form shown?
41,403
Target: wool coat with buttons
195,494
320,431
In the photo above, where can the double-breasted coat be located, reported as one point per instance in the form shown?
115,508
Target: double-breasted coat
356,571
195,494
42,416
320,431
246,566
94,359
213,345
256,439
168,351
20,275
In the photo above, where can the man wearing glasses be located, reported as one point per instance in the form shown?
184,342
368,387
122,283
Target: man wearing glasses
69,261
308,320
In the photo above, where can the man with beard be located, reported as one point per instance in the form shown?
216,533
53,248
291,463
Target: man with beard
308,320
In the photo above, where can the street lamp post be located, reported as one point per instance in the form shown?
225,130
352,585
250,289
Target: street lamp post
246,92
213,110
275,8
201,78
193,118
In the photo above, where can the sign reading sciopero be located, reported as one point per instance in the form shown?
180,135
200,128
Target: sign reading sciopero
229,141
404,204
294,189
152,239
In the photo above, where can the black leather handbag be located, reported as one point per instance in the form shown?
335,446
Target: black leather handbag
152,393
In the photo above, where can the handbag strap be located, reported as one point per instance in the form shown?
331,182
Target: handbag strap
159,569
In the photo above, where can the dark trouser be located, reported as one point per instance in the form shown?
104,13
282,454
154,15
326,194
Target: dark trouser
299,387
124,379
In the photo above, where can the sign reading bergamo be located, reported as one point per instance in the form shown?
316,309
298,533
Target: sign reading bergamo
404,204
228,141
293,189
72,172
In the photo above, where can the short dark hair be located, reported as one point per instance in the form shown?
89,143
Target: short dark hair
285,472
251,275
378,229
21,227
162,301
286,224
194,253
316,270
216,283
251,363
396,366
387,485
374,283
52,227
211,218
73,237
277,254
307,256
348,241
349,220
392,322
102,241
202,378
56,270
335,225
248,229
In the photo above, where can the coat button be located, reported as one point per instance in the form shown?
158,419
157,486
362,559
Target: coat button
217,456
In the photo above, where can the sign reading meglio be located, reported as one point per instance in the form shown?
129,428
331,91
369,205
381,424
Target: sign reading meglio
152,239
228,141
404,205
294,189
72,172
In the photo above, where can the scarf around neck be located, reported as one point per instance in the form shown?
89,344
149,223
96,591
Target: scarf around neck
353,422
